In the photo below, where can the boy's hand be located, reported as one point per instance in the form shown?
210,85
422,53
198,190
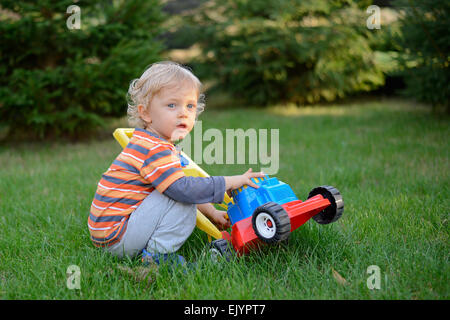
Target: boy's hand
220,219
234,182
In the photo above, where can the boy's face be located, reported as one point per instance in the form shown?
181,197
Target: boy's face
172,112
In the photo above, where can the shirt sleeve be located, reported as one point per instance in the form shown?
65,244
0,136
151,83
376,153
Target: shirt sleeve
161,168
197,189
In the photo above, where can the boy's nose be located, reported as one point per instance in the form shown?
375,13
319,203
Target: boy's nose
183,112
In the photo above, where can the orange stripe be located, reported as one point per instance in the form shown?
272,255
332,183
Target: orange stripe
163,161
102,225
135,153
121,194
129,160
154,148
142,143
107,204
159,172
123,186
111,212
128,176
157,141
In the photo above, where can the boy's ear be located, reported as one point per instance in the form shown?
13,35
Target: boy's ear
143,113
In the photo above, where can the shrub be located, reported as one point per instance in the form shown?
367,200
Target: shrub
270,51
425,42
57,81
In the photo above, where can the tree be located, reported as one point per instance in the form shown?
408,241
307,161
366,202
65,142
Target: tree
58,77
425,43
271,51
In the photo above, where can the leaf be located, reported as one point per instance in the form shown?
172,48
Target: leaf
340,279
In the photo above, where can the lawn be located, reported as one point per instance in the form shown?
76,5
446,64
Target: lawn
389,159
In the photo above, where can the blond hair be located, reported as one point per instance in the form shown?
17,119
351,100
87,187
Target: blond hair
156,77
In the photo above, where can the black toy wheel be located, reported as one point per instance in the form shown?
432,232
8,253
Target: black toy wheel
271,223
333,212
220,248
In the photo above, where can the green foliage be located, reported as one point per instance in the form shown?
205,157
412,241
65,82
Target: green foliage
55,80
425,40
272,51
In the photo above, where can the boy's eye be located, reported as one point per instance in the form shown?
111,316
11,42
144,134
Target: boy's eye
171,105
190,106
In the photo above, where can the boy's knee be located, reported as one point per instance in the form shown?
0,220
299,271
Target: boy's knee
182,205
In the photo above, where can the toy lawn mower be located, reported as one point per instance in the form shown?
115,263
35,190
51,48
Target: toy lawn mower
270,213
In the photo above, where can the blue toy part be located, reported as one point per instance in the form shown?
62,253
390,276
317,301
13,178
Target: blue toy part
183,160
246,199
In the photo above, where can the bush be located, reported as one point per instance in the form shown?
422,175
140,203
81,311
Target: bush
271,51
425,42
57,81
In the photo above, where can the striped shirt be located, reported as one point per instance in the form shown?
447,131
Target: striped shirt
147,163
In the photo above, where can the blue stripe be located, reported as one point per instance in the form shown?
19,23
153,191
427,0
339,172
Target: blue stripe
105,218
125,166
138,148
122,181
150,134
164,176
114,200
156,156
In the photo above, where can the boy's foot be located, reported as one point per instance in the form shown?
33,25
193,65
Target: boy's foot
171,259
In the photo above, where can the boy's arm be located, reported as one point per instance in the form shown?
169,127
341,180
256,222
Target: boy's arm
208,189
218,217
207,209
189,189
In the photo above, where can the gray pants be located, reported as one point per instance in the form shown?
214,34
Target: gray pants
159,225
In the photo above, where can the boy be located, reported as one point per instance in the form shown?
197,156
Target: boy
144,201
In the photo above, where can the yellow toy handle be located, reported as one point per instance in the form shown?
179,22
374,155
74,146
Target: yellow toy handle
123,135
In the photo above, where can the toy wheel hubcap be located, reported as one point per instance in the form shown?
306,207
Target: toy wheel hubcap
265,225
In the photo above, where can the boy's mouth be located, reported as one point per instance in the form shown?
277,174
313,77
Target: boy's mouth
181,130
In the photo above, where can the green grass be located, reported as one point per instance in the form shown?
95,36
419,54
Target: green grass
389,159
